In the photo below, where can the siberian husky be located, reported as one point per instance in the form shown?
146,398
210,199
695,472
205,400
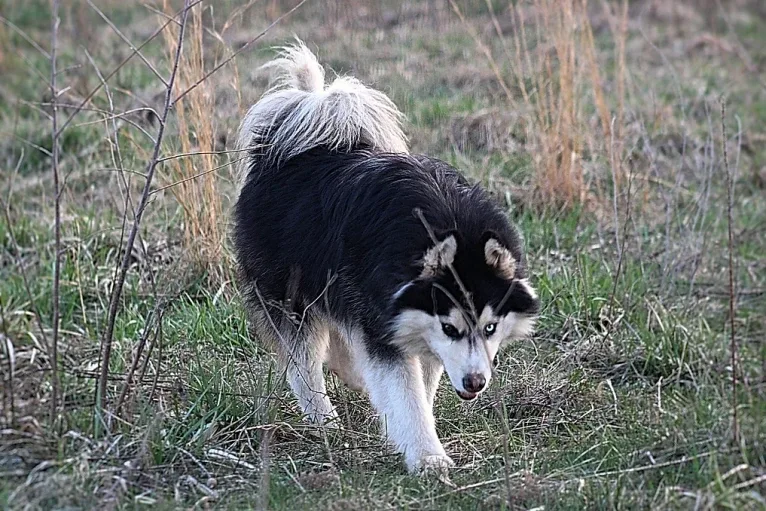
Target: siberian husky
387,267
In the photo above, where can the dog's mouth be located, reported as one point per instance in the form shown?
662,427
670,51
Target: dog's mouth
466,396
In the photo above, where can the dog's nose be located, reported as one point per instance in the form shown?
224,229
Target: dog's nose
474,382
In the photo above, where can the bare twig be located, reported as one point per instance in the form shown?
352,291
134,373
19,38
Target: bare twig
106,342
619,240
732,312
57,214
464,290
159,361
128,42
474,316
128,206
506,451
156,316
198,175
202,153
240,50
25,36
300,323
8,389
486,51
119,66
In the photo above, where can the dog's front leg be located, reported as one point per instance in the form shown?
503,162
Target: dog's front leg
432,372
398,392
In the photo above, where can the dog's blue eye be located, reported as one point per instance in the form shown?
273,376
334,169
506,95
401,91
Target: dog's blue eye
450,331
490,328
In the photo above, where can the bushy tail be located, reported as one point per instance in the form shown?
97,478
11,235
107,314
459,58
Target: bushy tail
300,113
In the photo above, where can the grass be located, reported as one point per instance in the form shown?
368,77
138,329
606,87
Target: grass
622,400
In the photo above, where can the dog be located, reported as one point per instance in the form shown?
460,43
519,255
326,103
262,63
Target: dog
386,266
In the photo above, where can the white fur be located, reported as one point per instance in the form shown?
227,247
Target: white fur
432,372
421,334
528,287
402,393
419,331
398,392
339,116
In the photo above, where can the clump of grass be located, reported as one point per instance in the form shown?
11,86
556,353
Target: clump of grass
191,175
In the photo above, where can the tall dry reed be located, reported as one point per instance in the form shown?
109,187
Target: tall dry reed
195,182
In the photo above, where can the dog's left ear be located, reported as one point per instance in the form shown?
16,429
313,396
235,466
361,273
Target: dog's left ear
499,258
439,256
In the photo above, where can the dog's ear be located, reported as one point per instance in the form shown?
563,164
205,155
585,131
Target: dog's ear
438,257
499,258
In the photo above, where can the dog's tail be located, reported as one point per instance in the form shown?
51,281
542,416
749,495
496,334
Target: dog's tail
300,113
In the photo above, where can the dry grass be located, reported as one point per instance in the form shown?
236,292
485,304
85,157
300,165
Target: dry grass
554,78
192,175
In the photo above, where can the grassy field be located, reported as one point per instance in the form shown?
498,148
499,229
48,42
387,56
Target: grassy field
600,127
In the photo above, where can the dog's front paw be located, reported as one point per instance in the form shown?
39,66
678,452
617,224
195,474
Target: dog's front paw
439,463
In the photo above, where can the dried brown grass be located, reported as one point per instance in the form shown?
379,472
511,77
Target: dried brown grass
192,174
555,77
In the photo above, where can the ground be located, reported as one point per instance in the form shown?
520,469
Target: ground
622,399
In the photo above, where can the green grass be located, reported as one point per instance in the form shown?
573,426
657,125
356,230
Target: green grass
622,400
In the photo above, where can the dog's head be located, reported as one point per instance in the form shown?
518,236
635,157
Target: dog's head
469,300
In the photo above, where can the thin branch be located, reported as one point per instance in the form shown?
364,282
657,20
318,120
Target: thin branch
128,42
203,173
619,240
106,342
240,50
25,36
57,215
486,51
159,361
262,499
464,290
119,66
124,116
23,272
202,153
128,205
157,313
10,353
27,142
732,312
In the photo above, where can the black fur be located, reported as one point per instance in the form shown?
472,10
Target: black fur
348,219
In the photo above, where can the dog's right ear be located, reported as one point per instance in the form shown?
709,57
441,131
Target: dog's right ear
499,259
439,257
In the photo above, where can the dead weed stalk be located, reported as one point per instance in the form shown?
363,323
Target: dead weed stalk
195,191
116,293
732,283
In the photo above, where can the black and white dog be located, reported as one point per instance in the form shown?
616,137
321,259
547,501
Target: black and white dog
388,267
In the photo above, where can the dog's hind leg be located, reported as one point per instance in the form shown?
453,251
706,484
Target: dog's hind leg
304,372
397,390
302,348
340,361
